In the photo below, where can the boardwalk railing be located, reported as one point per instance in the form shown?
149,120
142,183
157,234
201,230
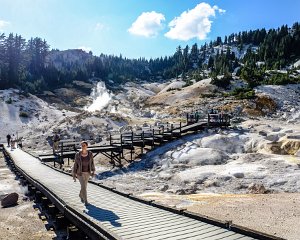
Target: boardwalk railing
223,119
150,136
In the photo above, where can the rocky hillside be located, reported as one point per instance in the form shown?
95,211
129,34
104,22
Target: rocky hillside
68,59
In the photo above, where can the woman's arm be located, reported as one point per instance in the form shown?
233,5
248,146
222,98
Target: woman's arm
75,167
92,164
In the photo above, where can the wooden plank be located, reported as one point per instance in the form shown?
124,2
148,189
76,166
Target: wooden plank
151,223
103,148
245,238
50,158
183,234
229,235
68,144
166,231
200,235
129,217
128,226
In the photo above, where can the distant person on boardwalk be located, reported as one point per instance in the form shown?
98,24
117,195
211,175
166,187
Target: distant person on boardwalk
13,142
8,137
197,116
56,140
221,117
83,168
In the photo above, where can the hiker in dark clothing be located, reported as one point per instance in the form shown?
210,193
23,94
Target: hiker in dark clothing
197,116
8,137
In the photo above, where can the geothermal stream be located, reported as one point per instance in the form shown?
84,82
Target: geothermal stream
101,97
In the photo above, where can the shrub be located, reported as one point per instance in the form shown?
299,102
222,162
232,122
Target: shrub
252,76
9,101
188,82
281,79
223,82
172,89
24,114
243,93
238,72
247,95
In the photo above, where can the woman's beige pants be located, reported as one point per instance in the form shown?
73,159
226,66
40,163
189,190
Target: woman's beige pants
83,179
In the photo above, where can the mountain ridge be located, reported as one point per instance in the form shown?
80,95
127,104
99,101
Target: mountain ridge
32,67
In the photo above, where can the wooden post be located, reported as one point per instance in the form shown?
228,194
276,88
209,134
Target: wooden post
208,119
187,118
119,160
152,139
122,149
180,128
131,149
17,140
143,142
110,141
62,154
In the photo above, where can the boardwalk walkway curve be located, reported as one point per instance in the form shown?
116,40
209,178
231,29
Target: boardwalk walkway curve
113,216
130,141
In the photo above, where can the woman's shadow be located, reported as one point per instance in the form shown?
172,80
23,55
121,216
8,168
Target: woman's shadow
102,215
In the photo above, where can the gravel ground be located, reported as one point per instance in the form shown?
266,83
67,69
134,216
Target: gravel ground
275,214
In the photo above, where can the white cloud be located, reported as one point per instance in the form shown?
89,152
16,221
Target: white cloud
193,23
86,49
148,24
219,9
99,26
3,24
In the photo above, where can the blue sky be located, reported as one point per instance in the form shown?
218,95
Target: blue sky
140,28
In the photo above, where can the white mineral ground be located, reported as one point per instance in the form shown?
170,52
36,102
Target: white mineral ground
21,221
215,172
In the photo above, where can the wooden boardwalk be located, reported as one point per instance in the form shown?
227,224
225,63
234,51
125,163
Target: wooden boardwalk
110,215
152,137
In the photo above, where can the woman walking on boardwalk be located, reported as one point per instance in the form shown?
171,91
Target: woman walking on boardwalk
83,168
